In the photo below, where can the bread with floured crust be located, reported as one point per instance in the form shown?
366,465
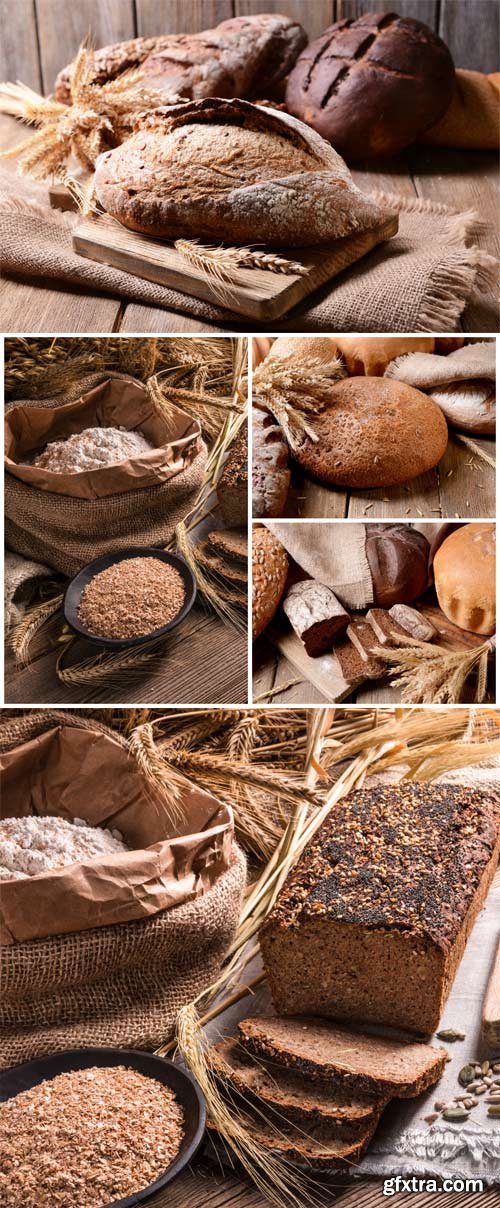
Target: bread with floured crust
232,171
373,435
243,57
270,466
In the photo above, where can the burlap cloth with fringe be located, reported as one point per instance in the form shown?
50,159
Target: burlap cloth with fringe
120,985
66,532
421,280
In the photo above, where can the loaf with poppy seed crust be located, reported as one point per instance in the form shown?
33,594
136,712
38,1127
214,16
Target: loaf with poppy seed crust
372,923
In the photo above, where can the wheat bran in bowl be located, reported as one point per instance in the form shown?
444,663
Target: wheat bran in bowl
132,598
87,1138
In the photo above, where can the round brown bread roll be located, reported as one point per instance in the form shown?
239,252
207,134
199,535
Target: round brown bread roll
371,355
269,572
464,576
398,557
376,433
231,171
372,85
303,348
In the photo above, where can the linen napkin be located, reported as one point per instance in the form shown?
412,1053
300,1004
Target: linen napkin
331,553
420,280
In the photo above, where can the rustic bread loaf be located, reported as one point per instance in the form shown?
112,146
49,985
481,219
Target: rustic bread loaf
270,469
411,621
243,57
275,1090
316,615
464,577
303,348
376,433
373,920
347,1060
269,573
370,355
232,487
234,573
398,557
229,170
372,85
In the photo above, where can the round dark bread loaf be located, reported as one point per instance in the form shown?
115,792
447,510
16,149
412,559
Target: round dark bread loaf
243,57
372,85
398,557
374,437
232,171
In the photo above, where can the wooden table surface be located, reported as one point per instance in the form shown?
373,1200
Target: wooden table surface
464,180
462,485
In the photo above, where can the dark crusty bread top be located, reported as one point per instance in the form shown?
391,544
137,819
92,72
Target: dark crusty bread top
244,56
322,1049
288,1090
235,473
230,170
405,856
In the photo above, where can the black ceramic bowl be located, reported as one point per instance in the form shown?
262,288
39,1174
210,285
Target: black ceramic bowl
184,1086
74,591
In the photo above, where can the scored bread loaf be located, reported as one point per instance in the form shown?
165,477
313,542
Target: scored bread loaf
315,614
242,57
233,171
373,920
376,433
464,577
345,1060
270,469
269,574
398,557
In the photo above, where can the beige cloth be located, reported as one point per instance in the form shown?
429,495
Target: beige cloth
331,553
420,280
21,577
121,984
425,370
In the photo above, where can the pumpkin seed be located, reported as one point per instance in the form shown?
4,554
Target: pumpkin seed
494,1110
456,1113
450,1035
466,1075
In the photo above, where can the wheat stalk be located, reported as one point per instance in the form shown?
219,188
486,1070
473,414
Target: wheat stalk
23,634
219,264
427,674
293,393
143,748
471,444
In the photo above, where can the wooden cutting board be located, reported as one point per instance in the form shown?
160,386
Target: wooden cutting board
255,294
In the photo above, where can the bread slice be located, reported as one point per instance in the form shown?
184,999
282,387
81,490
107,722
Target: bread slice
354,1060
234,572
284,1095
230,543
299,1148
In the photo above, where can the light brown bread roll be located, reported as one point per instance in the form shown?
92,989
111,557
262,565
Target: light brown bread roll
370,355
376,433
464,576
269,572
232,171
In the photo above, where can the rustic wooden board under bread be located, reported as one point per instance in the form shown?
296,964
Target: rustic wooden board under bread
490,1026
255,293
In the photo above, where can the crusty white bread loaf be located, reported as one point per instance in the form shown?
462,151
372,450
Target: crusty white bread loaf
464,577
232,171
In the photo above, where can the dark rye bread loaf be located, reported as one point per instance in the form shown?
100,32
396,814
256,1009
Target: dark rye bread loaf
232,487
298,1148
230,543
270,466
338,1114
232,171
242,57
373,921
372,85
354,1062
374,437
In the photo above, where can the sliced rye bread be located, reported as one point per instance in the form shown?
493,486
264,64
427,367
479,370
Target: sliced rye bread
225,568
299,1148
284,1095
230,543
363,1063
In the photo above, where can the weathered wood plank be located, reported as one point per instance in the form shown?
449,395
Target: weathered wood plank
180,16
471,30
314,16
154,321
19,57
467,484
62,27
420,497
264,666
422,10
32,308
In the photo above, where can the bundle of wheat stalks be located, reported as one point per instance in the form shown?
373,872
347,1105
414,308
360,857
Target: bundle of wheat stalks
283,772
204,377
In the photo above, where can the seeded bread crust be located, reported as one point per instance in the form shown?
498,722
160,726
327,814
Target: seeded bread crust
353,1061
233,572
373,921
232,487
374,437
230,543
269,574
232,171
244,56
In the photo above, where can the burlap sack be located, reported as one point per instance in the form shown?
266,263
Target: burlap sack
67,531
112,985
